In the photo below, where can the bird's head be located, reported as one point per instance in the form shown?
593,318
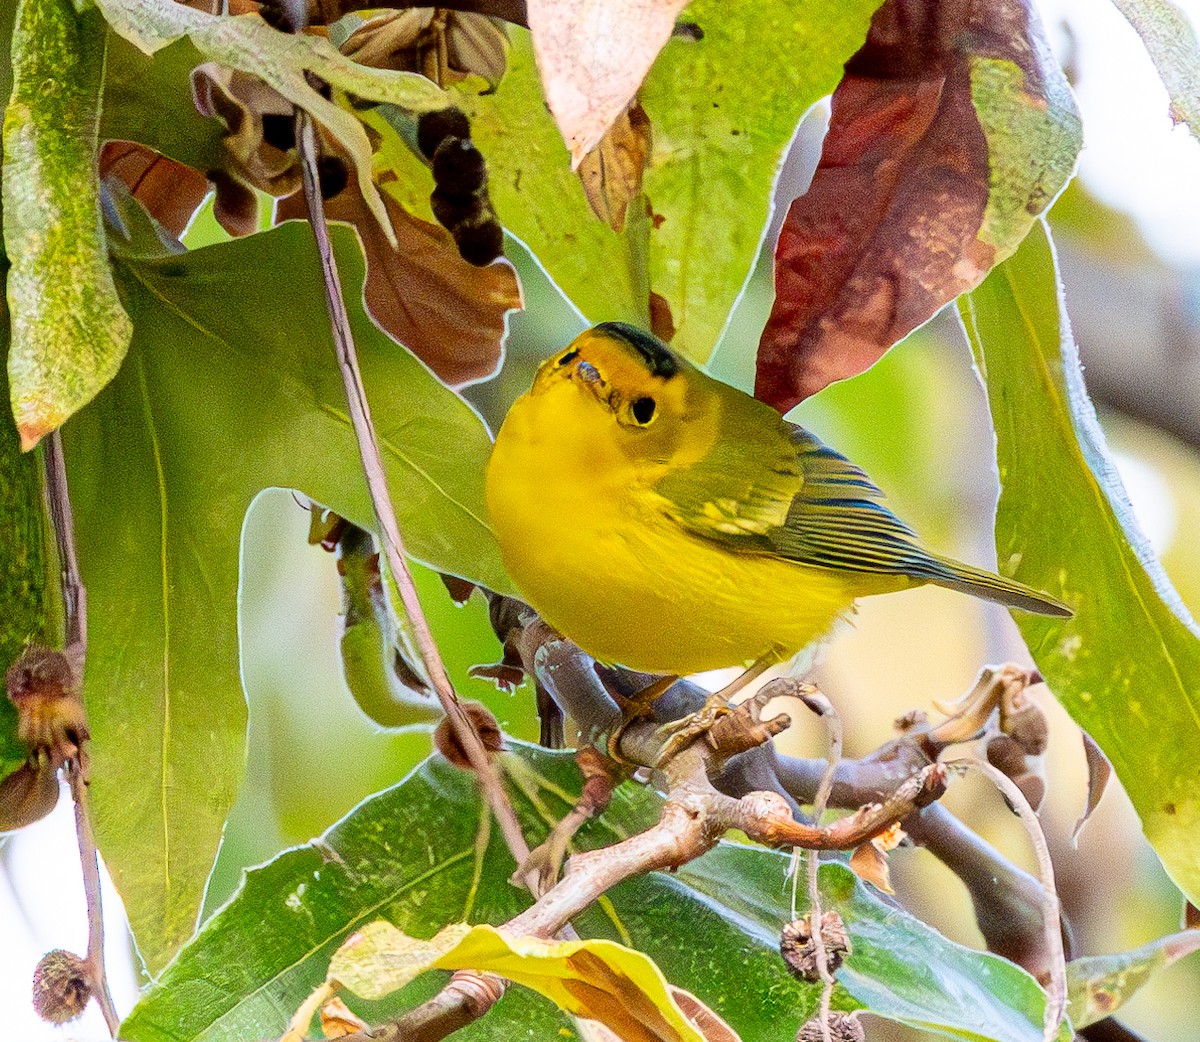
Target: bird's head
623,380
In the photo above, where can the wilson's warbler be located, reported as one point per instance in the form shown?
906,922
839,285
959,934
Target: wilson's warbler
667,522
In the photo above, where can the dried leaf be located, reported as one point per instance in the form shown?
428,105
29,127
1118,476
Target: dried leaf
951,130
707,1022
870,864
242,102
612,171
170,191
282,61
448,312
1097,985
28,794
596,979
593,56
1170,40
1099,771
444,45
338,1019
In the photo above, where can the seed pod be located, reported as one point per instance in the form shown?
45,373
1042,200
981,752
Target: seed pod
843,1027
62,987
445,740
51,719
796,946
28,794
460,197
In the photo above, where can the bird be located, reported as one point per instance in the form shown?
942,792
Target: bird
669,523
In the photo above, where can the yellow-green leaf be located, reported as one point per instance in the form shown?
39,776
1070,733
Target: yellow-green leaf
597,979
1098,984
380,959
69,331
1127,666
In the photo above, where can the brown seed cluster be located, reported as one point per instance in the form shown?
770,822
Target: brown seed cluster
62,986
796,945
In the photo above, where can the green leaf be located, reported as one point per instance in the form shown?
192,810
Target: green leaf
69,332
23,564
1034,135
419,856
1098,984
230,387
148,98
282,61
1170,39
1126,666
719,138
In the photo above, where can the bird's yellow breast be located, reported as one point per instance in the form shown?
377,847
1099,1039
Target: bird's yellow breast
588,542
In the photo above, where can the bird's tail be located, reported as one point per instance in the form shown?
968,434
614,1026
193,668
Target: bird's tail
978,582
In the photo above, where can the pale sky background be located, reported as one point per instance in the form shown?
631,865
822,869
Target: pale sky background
1134,159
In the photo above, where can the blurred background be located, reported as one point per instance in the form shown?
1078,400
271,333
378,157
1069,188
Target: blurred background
1128,235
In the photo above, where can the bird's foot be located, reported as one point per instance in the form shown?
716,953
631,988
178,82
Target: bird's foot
633,710
679,734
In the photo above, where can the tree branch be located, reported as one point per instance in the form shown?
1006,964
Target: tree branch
488,776
75,649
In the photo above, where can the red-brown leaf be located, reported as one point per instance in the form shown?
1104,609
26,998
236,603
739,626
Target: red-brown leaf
890,229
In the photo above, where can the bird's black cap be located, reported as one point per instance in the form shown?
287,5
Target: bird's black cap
660,359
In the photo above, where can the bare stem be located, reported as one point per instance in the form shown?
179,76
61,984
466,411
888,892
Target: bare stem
91,888
360,415
75,640
821,705
63,521
1056,987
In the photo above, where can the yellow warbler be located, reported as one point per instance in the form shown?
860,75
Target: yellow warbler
668,522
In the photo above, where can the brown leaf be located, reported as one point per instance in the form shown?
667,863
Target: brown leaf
446,46
1099,771
338,1019
593,57
951,129
170,191
705,1020
243,102
449,313
28,794
870,864
612,171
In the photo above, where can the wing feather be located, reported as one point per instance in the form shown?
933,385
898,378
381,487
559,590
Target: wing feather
790,496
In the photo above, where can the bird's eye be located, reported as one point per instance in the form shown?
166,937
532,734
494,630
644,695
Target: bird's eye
643,410
569,357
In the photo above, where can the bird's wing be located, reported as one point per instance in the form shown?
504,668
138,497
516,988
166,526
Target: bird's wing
741,490
791,496
839,520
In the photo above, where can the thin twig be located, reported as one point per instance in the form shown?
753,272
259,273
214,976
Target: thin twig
63,521
74,597
393,546
1056,987
820,705
91,887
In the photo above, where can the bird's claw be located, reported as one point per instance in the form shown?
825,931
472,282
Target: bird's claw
679,734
